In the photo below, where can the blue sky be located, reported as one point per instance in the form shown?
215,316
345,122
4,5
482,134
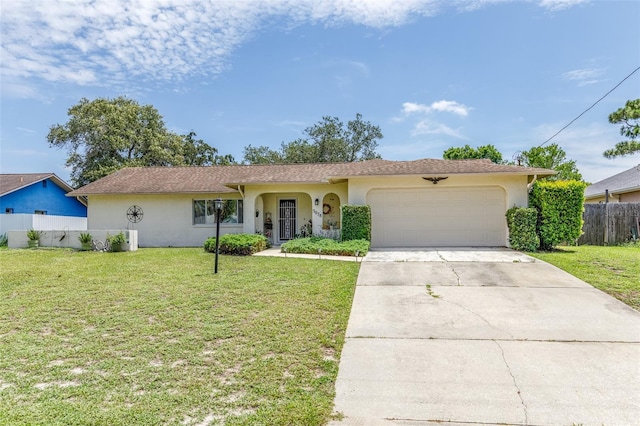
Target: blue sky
431,73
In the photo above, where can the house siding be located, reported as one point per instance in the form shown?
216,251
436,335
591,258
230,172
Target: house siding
630,197
50,198
167,219
515,187
261,199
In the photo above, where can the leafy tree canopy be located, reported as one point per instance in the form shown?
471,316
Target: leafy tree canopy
629,116
552,157
327,141
105,135
467,152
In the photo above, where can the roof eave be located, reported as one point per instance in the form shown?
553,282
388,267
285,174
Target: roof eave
613,192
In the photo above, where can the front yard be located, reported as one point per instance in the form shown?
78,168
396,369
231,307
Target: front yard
614,270
154,337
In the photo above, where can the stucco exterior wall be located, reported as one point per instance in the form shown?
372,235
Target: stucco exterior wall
630,197
167,221
515,187
261,199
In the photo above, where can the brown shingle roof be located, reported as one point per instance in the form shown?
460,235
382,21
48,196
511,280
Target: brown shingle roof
627,181
223,179
12,182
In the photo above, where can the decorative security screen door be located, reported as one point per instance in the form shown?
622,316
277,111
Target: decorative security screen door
287,219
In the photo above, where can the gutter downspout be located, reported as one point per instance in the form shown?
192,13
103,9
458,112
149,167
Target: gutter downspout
240,191
530,184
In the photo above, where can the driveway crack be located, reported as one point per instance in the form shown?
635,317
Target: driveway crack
449,266
479,316
515,383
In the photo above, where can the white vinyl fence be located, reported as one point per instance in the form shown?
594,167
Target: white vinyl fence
23,222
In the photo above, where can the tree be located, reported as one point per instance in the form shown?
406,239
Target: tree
629,116
467,152
105,135
197,153
552,157
329,140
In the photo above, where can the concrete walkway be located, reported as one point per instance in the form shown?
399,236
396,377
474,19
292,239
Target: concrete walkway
482,336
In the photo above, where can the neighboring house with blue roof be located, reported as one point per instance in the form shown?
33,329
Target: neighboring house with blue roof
40,194
623,188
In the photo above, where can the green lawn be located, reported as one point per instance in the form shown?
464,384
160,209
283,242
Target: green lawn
154,337
614,270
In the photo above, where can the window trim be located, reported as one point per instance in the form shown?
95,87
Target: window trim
239,208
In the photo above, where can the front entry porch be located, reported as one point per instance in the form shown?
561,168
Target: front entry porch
282,216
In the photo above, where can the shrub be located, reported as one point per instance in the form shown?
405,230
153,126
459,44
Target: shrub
327,246
116,241
34,235
237,244
85,238
356,223
4,240
522,228
560,205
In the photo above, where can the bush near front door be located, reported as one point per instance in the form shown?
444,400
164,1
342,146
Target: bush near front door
237,244
356,223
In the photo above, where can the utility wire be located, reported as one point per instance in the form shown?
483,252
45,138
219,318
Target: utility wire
594,104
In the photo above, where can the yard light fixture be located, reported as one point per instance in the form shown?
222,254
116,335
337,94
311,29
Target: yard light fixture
218,206
317,202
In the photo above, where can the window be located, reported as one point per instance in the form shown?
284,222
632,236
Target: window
40,212
204,212
8,210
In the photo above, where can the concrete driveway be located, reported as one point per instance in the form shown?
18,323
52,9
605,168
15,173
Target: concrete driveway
488,336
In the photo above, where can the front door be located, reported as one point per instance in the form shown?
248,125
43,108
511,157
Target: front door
287,219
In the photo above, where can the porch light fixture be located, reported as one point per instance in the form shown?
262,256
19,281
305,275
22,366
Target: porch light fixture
317,201
218,206
435,180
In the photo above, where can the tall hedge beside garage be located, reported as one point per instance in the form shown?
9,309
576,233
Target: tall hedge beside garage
560,205
356,223
522,228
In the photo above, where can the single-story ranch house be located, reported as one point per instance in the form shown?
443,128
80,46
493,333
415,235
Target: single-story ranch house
428,202
623,187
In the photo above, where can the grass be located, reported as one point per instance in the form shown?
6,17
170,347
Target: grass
154,337
612,269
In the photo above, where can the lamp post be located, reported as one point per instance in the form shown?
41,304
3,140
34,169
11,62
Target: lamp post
218,207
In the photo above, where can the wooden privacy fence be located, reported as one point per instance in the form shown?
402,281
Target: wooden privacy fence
610,224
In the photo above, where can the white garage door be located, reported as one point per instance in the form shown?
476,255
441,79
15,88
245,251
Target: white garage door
466,216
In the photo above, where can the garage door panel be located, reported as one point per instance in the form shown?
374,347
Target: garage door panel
438,216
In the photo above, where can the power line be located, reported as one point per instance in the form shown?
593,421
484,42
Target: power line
594,104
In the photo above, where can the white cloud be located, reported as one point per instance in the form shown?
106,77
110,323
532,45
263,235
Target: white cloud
426,125
584,77
411,107
440,106
451,106
108,42
556,5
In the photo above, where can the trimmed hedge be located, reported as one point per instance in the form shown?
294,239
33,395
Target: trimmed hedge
327,245
560,205
522,228
356,223
237,244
